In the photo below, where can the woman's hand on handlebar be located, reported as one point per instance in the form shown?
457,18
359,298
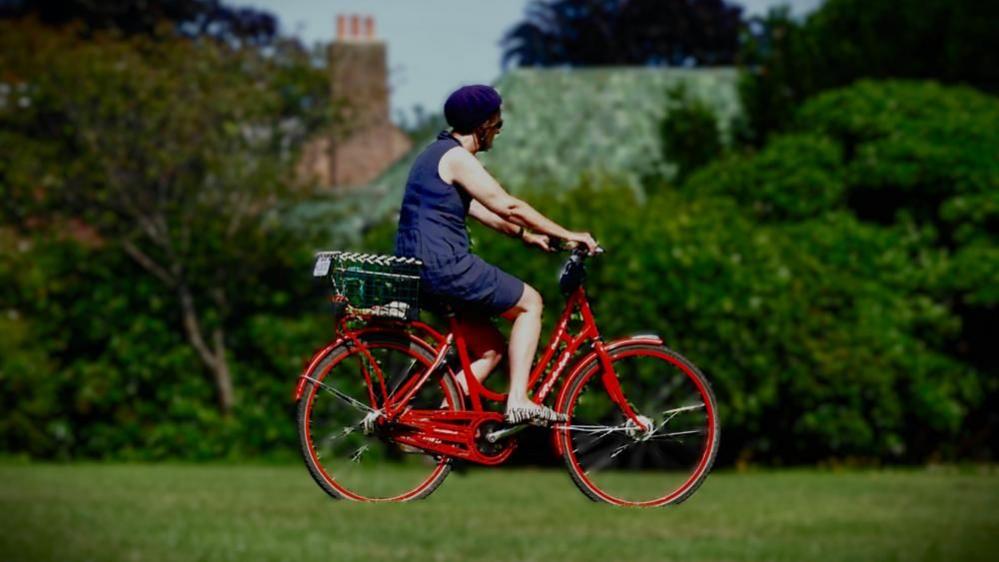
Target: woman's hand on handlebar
540,240
585,239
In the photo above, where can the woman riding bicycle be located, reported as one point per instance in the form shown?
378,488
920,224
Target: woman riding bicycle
446,184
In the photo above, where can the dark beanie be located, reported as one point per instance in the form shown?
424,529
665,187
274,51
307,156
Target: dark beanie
471,106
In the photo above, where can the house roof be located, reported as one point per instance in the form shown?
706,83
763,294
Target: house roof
561,123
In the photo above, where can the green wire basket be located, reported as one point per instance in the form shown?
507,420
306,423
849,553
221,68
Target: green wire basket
372,284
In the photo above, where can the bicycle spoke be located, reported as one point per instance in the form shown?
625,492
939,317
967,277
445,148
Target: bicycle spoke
672,413
589,445
403,376
623,448
600,459
673,436
344,397
599,429
356,456
337,435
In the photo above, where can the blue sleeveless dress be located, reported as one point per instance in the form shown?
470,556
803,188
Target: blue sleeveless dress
432,228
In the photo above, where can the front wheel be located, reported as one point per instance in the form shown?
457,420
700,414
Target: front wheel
660,459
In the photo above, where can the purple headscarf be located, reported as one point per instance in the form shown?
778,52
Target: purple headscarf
471,106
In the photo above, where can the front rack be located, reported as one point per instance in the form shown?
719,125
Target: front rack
372,284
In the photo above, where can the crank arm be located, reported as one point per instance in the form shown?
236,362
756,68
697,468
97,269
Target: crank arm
494,436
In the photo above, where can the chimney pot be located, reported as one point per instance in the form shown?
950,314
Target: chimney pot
355,26
369,27
341,26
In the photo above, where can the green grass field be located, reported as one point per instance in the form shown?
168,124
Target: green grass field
249,513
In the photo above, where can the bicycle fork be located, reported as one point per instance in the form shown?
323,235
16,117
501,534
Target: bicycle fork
613,386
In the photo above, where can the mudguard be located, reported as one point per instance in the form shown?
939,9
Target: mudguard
592,357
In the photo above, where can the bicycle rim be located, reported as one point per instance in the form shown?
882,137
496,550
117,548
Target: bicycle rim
350,460
615,460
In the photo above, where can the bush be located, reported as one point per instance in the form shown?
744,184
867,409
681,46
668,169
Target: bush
918,160
690,137
847,40
794,177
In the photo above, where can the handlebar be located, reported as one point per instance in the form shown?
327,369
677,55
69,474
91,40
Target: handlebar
578,249
574,271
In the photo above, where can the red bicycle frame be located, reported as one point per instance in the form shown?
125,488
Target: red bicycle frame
453,432
561,335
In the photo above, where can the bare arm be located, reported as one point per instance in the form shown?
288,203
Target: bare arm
460,166
496,222
480,213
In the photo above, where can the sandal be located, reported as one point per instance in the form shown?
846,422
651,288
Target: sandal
534,412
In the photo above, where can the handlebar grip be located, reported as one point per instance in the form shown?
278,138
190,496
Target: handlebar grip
578,248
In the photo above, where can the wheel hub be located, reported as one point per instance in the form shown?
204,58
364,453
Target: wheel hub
635,430
370,420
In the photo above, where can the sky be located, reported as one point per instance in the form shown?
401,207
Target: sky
434,46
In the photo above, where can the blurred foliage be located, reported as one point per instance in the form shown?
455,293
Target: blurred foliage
144,249
795,176
952,41
690,136
625,32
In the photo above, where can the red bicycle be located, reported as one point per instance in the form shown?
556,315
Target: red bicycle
642,425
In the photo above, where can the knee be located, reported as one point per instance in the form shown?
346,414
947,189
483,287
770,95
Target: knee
531,301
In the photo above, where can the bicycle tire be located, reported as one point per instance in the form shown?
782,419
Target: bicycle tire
326,365
590,374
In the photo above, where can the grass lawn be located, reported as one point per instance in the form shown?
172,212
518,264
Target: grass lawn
249,513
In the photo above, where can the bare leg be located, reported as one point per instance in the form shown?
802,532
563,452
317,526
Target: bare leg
526,316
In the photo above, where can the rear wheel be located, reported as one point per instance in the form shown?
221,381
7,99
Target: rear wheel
664,457
349,454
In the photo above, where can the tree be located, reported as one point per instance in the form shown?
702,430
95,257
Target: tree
178,152
624,32
191,18
846,40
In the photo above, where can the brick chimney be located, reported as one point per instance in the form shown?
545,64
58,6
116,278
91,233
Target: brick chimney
368,142
359,72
